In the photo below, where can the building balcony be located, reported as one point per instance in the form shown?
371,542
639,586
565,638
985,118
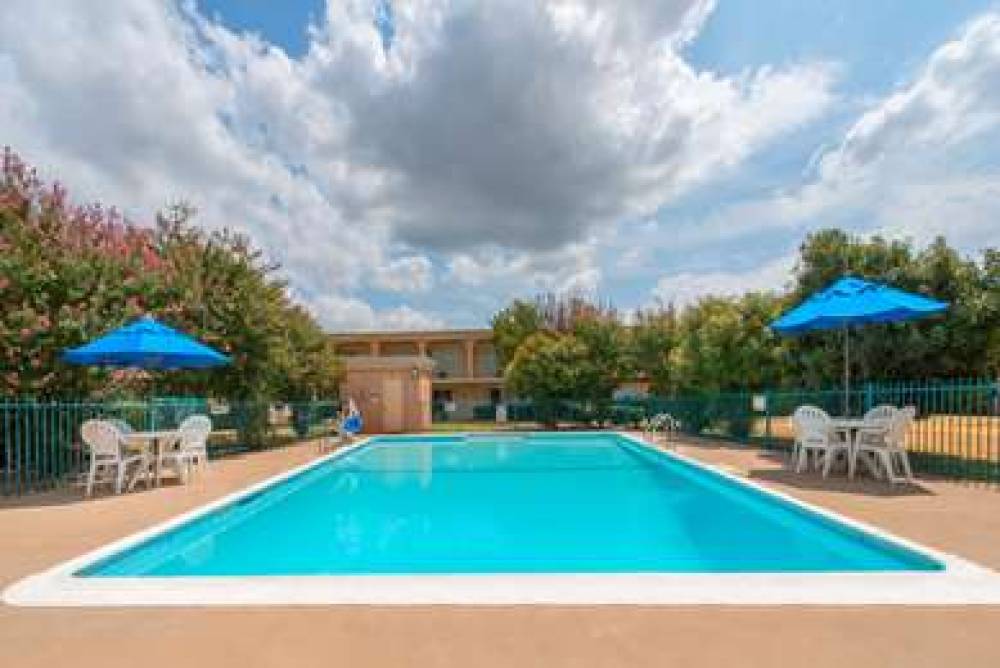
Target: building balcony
460,356
466,380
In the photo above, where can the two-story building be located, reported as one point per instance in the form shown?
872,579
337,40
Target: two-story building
465,378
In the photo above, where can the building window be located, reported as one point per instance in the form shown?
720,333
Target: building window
486,361
442,405
446,362
399,349
353,350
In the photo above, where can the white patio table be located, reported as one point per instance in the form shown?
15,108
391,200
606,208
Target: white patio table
154,443
850,427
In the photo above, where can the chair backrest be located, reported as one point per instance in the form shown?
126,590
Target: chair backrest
811,423
122,426
194,431
660,421
880,414
102,437
667,422
898,425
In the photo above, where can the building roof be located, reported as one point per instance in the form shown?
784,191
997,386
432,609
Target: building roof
409,335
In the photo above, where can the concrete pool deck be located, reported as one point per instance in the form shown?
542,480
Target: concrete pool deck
41,530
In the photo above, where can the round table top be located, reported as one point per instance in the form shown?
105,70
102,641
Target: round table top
150,436
851,423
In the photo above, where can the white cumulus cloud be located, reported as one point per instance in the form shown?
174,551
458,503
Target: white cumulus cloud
920,162
499,137
686,288
351,314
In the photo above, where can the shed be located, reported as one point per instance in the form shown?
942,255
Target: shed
392,393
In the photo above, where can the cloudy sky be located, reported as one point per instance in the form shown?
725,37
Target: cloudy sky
417,163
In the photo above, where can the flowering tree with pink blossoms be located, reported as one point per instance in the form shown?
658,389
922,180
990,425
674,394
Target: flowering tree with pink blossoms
71,272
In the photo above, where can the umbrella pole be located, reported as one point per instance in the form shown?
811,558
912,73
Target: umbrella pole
847,371
151,402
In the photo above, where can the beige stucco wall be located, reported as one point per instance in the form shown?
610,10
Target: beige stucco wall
368,379
465,398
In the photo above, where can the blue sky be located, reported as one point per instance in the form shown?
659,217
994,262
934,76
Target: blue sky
877,47
419,164
284,23
881,44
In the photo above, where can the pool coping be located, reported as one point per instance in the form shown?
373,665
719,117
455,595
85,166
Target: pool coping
961,582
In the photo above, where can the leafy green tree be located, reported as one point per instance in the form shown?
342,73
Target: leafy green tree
592,330
605,343
312,369
954,344
561,313
511,326
987,315
550,369
724,344
649,343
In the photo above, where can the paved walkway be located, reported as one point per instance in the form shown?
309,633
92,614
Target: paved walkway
38,531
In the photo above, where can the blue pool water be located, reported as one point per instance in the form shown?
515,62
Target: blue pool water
508,504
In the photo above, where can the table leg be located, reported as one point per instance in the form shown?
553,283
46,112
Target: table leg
142,470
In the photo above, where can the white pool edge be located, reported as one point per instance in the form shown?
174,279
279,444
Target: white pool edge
961,582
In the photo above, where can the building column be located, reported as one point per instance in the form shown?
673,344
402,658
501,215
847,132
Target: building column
470,359
422,348
374,348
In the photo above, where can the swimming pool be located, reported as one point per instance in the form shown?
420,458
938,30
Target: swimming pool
530,504
564,514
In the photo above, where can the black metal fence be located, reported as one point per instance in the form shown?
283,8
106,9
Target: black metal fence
40,445
956,432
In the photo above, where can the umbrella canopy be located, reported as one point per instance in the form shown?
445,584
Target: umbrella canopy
855,301
146,344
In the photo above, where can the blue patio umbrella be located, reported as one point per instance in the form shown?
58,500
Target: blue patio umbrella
146,344
854,301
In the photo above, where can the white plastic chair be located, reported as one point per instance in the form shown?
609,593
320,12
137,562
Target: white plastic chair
814,434
107,452
662,424
887,444
191,448
124,427
880,414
